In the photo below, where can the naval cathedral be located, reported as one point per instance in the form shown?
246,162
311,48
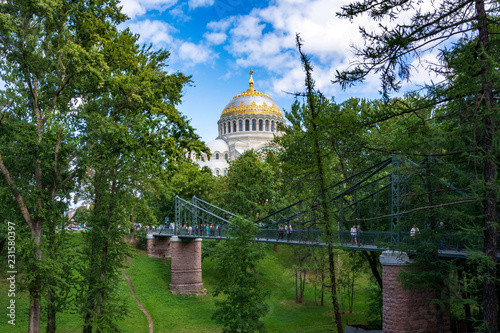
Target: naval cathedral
249,121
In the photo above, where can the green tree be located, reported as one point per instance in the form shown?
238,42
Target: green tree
49,49
251,187
308,152
469,90
243,298
134,134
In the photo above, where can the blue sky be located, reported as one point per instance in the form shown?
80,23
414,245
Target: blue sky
217,42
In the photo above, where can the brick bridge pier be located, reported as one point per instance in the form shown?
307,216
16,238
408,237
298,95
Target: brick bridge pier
406,310
185,254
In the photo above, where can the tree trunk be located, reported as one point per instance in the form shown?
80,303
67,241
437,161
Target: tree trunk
490,300
322,288
51,312
296,288
35,285
373,261
351,298
302,285
322,183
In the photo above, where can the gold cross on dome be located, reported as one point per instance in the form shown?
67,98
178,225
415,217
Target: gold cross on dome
251,71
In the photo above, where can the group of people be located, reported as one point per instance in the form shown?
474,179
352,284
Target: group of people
288,229
197,229
356,235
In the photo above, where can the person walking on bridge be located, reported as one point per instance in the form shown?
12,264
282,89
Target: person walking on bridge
289,231
353,235
281,231
358,235
414,231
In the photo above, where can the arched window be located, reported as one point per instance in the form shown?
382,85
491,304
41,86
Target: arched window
267,125
247,125
224,128
225,156
241,125
272,126
260,125
224,172
217,172
254,125
217,156
234,126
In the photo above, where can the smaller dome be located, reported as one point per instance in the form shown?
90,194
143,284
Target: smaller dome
218,145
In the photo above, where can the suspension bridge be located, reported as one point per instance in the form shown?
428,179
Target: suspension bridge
385,200
385,224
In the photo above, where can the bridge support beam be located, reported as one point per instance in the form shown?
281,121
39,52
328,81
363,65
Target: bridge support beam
406,310
158,247
186,266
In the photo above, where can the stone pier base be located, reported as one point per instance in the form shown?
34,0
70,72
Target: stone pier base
158,247
186,266
406,310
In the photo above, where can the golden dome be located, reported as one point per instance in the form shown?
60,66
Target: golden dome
251,102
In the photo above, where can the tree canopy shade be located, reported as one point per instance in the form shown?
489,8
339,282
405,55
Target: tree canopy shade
84,108
468,92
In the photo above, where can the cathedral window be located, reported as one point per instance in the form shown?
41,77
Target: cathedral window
254,125
272,126
260,125
229,127
224,172
234,126
241,125
267,125
225,156
217,156
224,128
216,172
247,125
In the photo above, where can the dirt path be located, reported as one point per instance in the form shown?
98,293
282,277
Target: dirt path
150,321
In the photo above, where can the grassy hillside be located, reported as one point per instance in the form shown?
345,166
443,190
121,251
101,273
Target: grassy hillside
170,313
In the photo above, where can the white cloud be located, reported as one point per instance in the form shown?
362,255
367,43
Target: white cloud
266,38
215,38
156,32
135,8
422,73
200,3
191,54
248,27
178,13
221,25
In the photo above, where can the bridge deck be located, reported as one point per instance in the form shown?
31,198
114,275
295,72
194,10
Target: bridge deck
444,253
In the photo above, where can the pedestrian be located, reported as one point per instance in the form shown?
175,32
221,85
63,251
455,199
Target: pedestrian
414,231
281,231
289,231
353,235
441,230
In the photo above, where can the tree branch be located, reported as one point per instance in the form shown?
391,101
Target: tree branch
17,195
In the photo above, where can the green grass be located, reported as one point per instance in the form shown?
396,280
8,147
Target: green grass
172,313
